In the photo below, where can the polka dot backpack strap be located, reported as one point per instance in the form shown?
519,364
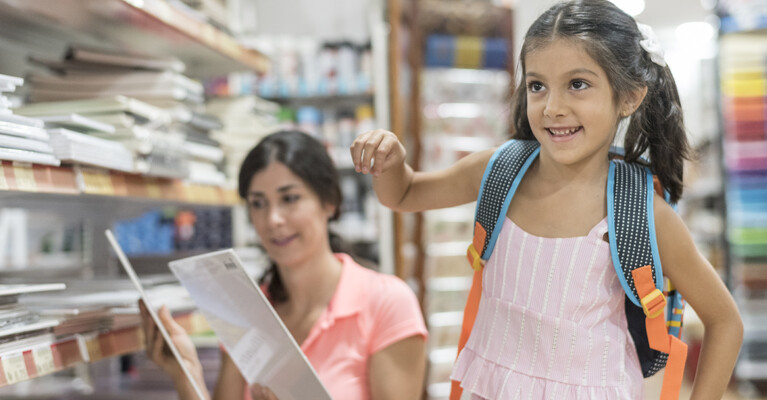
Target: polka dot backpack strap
634,250
502,175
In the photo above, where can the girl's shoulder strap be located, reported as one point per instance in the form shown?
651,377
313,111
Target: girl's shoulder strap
502,176
631,224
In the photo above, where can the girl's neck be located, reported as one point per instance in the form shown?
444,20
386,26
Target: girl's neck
590,171
311,284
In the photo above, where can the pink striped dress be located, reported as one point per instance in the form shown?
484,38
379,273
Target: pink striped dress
551,323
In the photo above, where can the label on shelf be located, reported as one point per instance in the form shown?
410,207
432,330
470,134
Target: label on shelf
14,367
3,182
43,357
25,177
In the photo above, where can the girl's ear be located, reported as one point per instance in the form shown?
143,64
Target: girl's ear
633,100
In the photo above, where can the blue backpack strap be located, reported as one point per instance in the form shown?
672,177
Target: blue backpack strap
500,181
631,224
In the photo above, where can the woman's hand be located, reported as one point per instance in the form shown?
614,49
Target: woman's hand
258,392
380,147
160,353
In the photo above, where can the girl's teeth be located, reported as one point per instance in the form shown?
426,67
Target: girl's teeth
562,132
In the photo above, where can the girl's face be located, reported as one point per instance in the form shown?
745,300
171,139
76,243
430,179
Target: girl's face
288,216
570,103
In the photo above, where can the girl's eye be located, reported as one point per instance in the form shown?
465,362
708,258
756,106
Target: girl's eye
579,85
535,87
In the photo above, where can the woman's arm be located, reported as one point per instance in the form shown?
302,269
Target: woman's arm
400,188
397,371
230,385
705,292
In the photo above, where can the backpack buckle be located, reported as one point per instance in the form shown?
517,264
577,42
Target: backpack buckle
653,304
474,258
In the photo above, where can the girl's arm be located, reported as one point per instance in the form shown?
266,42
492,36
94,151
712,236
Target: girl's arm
400,188
397,371
705,292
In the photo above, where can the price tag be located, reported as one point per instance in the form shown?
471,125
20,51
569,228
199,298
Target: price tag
14,367
94,348
153,189
3,182
25,178
43,357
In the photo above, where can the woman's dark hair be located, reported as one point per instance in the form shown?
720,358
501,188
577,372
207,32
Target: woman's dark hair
611,38
307,158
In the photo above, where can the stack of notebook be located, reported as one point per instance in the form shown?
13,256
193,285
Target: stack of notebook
18,322
157,112
21,139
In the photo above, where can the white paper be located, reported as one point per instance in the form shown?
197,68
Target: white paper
247,325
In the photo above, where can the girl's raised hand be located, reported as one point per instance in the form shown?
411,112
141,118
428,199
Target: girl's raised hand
379,147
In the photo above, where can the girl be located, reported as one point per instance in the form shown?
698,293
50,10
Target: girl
586,67
362,331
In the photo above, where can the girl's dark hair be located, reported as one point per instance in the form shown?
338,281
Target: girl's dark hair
306,157
611,38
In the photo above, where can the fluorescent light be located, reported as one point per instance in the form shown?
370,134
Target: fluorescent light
459,110
631,7
694,32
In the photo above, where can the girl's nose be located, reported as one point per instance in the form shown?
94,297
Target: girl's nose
554,106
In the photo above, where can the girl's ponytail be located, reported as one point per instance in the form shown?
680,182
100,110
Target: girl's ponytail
658,126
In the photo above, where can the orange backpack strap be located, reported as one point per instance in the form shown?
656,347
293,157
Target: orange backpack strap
469,315
502,176
654,305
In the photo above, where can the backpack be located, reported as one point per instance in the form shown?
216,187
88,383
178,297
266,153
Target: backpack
654,319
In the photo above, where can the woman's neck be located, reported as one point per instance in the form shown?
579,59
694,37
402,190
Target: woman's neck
311,284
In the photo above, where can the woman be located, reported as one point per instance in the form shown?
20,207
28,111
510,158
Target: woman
362,331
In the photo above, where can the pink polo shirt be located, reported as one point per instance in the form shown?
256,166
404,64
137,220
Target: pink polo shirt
368,312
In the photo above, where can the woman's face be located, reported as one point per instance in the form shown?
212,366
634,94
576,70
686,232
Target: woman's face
288,216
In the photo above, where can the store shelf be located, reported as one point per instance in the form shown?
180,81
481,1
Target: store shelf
74,180
146,26
350,100
32,358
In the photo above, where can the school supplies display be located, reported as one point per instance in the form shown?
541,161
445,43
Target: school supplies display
631,232
246,324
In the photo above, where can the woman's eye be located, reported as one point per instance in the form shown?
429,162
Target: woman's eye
291,198
258,204
579,85
535,86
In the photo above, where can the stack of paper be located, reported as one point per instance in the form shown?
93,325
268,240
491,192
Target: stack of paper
21,139
246,120
80,148
159,108
89,73
140,130
16,320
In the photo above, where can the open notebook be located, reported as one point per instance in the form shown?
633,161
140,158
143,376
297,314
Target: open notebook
245,323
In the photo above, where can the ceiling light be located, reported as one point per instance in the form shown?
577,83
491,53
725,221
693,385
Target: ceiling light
630,7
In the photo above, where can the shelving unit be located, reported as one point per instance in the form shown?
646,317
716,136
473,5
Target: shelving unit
148,26
743,50
454,107
89,199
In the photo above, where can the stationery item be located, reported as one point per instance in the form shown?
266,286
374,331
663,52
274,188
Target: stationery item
28,156
123,59
84,149
105,105
137,283
254,336
19,143
77,122
15,129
